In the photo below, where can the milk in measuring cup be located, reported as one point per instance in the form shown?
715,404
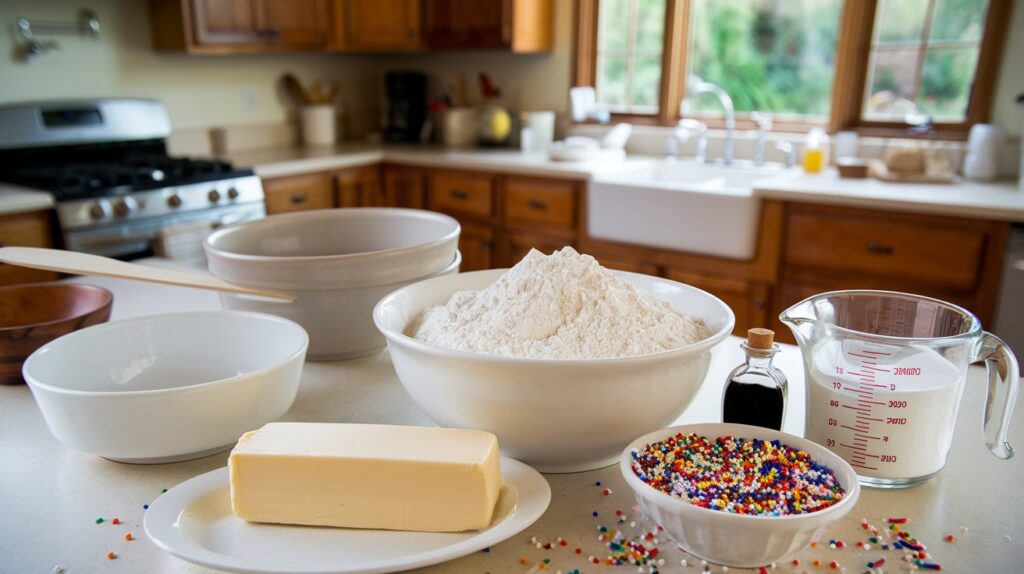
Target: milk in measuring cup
888,411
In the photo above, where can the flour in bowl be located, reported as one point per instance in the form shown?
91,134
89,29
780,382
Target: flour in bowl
558,306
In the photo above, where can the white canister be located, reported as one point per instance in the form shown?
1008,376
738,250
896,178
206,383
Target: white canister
984,144
460,127
542,128
845,145
318,124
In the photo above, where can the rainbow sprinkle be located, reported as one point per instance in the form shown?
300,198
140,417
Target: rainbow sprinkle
738,475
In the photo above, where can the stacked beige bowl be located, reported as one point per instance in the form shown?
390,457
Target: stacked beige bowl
338,263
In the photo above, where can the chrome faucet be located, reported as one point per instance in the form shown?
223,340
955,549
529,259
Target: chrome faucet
697,86
764,125
682,133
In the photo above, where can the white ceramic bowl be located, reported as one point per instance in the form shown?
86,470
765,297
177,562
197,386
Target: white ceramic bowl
334,248
732,539
170,387
556,415
339,321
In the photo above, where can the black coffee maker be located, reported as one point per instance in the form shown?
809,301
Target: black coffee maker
406,107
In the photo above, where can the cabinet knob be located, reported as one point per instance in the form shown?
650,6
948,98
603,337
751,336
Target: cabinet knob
878,248
298,197
537,204
459,194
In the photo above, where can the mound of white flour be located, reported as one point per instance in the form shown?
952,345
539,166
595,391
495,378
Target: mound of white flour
558,306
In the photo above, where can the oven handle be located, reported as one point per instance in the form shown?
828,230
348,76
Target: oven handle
114,240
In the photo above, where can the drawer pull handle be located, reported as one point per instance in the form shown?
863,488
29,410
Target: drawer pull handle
537,204
876,247
298,198
459,194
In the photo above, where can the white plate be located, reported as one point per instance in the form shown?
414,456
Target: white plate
194,522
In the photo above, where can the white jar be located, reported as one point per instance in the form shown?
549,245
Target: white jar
318,124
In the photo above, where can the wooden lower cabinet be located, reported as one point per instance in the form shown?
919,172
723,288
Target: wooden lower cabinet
748,300
359,187
298,193
405,188
518,244
477,244
34,229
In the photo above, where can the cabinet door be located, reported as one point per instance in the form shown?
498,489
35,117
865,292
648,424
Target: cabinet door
403,188
296,23
468,23
517,245
359,187
228,21
25,230
378,24
462,194
748,300
476,242
298,193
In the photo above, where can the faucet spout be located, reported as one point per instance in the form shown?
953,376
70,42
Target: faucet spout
698,86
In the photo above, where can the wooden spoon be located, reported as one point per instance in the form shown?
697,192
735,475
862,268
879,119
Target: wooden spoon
88,264
295,89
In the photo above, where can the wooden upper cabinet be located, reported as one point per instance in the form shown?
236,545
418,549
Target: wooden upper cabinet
374,25
515,25
227,21
228,26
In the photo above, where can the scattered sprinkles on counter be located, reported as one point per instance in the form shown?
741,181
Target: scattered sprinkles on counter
738,475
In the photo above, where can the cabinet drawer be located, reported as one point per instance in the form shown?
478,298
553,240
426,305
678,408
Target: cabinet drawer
540,202
881,245
298,193
462,193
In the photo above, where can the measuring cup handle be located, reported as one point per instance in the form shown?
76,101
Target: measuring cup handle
1003,380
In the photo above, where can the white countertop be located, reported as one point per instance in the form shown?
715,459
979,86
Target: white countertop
51,495
17,199
1001,201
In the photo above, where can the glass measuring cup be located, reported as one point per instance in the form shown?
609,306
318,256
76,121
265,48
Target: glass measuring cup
885,372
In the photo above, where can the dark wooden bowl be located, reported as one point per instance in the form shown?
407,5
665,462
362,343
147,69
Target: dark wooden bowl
34,314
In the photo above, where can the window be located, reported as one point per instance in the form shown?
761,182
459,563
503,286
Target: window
630,39
924,54
769,56
879,66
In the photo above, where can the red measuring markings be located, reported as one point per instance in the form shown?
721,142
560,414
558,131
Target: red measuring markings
864,390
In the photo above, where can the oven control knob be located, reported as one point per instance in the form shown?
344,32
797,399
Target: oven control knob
124,207
213,196
233,193
174,200
97,211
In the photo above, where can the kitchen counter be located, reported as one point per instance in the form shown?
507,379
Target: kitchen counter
51,495
17,199
283,162
1000,201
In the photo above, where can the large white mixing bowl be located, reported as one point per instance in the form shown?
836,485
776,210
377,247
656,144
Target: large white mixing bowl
556,415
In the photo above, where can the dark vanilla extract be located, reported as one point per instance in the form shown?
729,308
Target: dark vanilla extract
755,392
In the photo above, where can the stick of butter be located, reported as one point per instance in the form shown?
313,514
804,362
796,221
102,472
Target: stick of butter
366,476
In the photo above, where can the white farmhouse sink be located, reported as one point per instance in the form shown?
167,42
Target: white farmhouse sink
682,206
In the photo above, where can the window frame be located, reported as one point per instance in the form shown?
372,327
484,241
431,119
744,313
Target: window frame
853,52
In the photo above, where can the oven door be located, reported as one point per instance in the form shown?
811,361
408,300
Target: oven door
147,237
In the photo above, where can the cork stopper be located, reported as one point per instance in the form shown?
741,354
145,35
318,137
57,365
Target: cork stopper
758,338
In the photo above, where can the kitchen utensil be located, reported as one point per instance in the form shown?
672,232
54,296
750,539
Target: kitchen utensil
295,90
556,415
36,313
739,540
165,388
337,263
88,264
194,522
318,124
885,372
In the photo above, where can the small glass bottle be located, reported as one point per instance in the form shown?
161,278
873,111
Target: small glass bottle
755,393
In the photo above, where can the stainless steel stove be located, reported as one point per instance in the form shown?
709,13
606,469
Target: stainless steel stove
106,163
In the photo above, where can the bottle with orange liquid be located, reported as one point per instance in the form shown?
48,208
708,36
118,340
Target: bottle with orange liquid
815,151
